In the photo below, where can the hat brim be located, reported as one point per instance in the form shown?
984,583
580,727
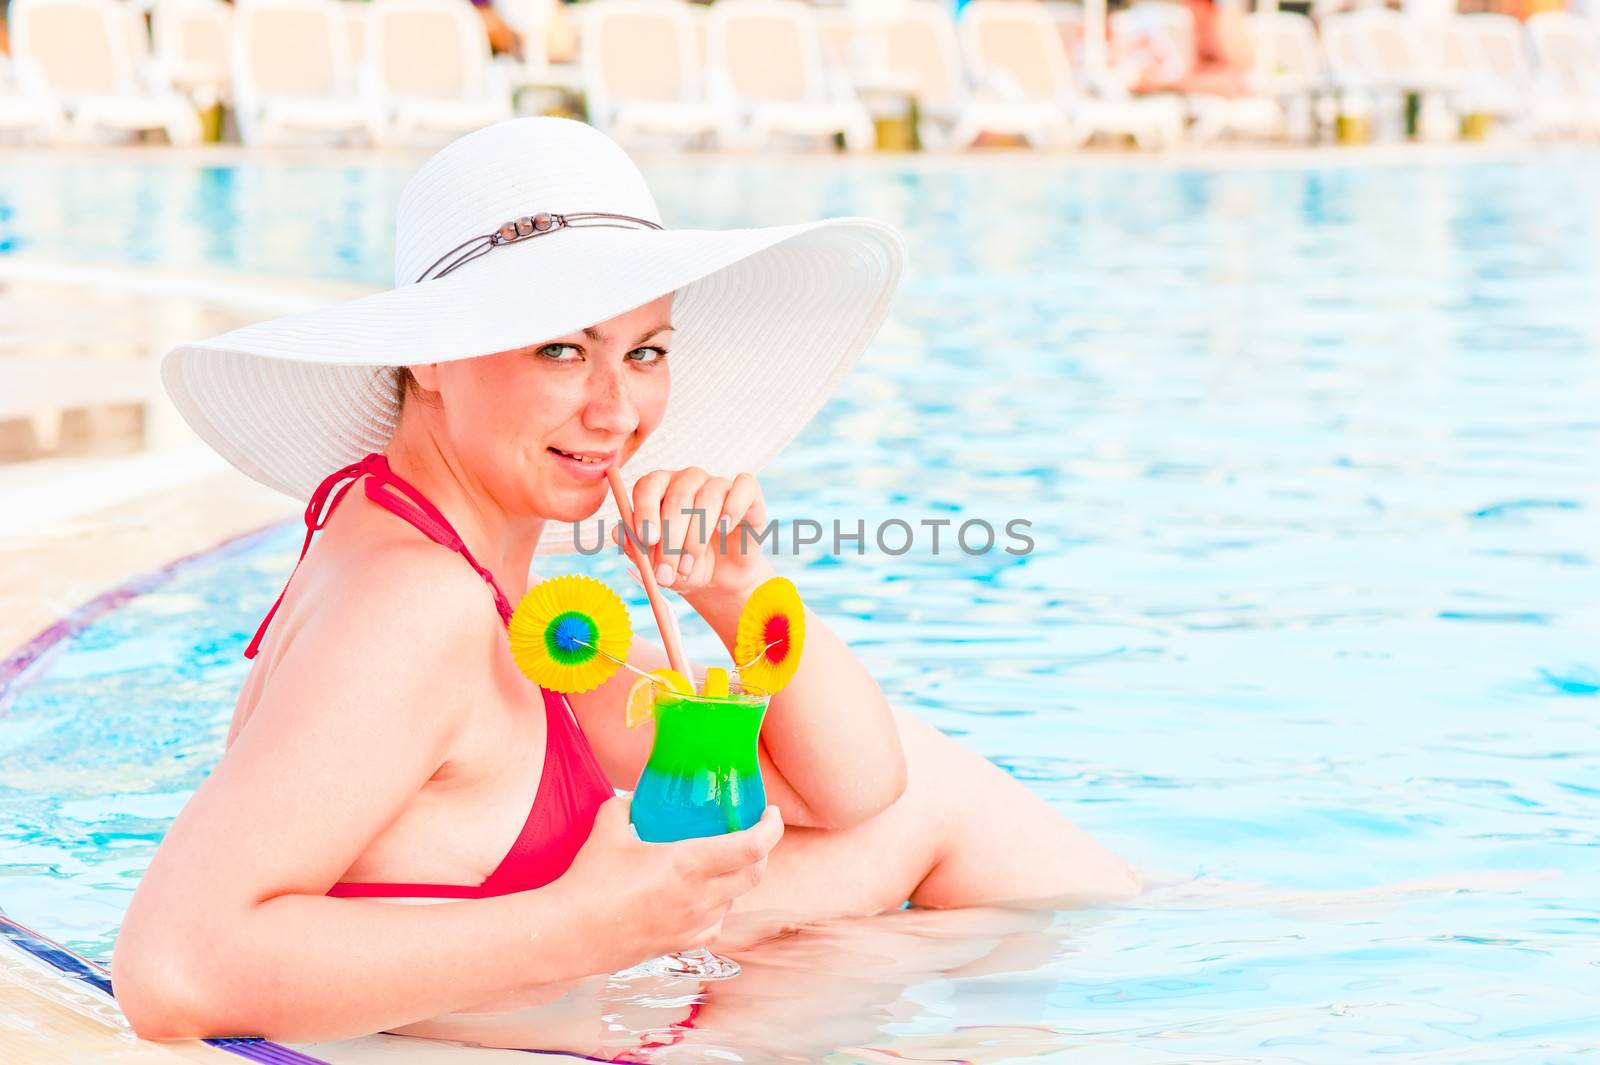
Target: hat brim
767,323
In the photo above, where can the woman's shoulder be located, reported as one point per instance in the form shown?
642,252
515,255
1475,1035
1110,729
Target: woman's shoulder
379,614
408,590
383,597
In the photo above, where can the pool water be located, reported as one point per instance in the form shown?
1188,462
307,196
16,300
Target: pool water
1311,456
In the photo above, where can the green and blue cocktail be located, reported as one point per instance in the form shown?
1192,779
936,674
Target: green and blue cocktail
703,778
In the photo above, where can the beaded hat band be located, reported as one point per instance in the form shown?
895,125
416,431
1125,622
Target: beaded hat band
526,228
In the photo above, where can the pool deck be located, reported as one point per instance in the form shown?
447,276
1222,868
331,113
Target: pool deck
74,528
1222,155
48,571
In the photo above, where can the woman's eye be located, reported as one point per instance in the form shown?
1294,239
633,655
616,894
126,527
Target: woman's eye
559,352
647,355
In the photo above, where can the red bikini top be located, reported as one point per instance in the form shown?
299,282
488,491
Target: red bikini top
572,785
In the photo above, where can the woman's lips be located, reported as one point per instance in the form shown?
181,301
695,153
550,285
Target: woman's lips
586,466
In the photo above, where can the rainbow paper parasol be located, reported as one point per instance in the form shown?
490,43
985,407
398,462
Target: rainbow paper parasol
772,630
570,633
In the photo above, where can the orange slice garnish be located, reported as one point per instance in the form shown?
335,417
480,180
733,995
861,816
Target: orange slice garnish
641,704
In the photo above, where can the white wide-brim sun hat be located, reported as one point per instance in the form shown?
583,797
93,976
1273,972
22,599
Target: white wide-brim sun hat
767,321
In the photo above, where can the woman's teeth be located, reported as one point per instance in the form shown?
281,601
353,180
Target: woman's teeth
578,458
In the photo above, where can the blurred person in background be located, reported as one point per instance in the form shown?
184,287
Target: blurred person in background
503,40
561,37
1220,63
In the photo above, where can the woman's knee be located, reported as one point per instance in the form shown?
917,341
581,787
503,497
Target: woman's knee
995,840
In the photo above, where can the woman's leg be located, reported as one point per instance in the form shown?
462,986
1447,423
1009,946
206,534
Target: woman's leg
963,834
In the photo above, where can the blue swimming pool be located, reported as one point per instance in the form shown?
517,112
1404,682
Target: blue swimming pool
1311,453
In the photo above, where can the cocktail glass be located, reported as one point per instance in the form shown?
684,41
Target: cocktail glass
702,779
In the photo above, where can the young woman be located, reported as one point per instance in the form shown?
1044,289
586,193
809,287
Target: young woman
386,749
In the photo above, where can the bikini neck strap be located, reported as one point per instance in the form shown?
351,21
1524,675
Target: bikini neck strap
411,505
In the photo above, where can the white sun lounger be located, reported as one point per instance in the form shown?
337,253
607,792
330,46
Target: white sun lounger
918,42
641,74
838,30
1289,66
1067,15
91,56
293,75
1568,47
429,72
39,117
1013,47
355,33
1378,56
1485,61
192,48
764,61
1504,53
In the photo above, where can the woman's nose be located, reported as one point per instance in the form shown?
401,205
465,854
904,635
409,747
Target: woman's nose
610,409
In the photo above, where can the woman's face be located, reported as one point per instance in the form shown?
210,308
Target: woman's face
539,426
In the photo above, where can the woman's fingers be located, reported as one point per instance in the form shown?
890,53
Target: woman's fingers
701,532
744,505
647,493
710,857
699,577
680,525
686,519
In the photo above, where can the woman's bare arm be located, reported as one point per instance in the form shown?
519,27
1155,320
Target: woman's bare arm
830,732
230,932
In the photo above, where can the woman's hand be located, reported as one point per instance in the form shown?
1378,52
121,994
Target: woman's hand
700,530
653,898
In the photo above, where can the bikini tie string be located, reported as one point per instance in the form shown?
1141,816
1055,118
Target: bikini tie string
411,506
316,518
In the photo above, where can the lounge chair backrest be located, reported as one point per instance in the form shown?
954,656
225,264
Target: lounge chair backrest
766,50
73,47
639,50
1569,51
428,49
1501,45
1347,56
1068,18
1296,54
191,37
357,29
1453,51
1392,46
917,41
293,48
1018,40
137,27
837,33
1372,45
